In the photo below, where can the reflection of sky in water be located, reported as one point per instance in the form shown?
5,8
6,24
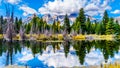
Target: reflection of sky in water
58,59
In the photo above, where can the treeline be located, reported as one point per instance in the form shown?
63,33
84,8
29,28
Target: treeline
85,26
82,25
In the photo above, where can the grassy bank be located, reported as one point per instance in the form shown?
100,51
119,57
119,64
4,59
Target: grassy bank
60,37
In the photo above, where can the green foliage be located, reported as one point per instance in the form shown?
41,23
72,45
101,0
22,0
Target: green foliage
34,22
28,28
88,26
105,20
76,26
117,28
67,24
56,27
93,27
18,23
99,28
1,20
110,27
82,19
41,25
1,24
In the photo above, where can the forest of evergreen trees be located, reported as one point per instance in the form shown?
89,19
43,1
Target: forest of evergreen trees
82,25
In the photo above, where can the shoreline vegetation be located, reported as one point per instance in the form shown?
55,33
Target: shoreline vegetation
60,37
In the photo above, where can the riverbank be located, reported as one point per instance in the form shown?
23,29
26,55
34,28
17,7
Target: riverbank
60,37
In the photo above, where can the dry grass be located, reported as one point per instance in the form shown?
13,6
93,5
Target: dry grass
115,65
1,35
82,37
60,37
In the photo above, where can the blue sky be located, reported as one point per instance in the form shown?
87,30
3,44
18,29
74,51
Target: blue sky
94,8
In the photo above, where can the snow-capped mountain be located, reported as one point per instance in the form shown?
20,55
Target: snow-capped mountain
50,18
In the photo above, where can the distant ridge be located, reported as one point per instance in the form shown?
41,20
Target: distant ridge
50,18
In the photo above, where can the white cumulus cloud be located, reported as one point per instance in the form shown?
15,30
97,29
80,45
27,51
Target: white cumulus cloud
92,7
61,7
27,10
13,1
116,12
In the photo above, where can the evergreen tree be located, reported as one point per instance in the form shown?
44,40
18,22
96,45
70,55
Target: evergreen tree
28,28
54,27
67,24
110,27
38,25
20,22
76,26
88,26
1,20
42,25
99,28
92,28
117,27
45,25
105,20
58,26
81,18
17,25
34,24
1,23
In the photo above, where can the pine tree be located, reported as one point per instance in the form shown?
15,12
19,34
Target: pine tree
99,28
88,26
58,26
34,24
117,27
67,24
76,26
105,20
1,20
110,27
1,23
19,23
42,25
28,28
16,25
81,18
54,27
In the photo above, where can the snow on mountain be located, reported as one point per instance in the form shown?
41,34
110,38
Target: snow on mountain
50,18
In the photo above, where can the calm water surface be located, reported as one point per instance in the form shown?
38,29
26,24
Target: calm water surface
66,54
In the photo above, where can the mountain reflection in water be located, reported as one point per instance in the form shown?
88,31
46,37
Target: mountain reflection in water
59,54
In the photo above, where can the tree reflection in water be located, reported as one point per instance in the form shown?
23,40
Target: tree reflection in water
108,48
